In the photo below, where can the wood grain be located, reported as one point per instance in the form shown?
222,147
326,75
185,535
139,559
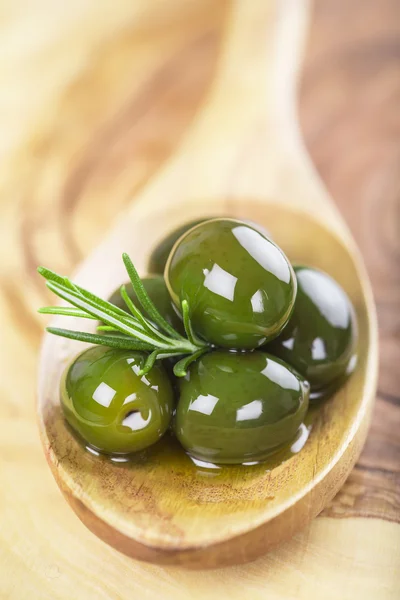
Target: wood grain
354,137
351,121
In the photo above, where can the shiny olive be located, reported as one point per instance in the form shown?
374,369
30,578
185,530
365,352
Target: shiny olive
110,406
159,256
319,340
238,407
157,290
239,285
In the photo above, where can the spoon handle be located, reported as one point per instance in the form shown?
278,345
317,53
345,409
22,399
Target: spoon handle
261,57
245,140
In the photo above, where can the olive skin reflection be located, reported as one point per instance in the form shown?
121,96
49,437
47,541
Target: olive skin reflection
159,256
158,293
239,285
110,406
320,338
239,407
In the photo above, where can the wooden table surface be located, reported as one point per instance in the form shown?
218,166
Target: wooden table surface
94,98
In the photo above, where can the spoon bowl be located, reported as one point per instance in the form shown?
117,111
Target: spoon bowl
164,510
242,159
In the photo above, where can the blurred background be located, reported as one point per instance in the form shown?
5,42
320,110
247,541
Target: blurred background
95,96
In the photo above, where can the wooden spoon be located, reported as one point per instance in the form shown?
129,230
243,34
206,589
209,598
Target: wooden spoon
243,157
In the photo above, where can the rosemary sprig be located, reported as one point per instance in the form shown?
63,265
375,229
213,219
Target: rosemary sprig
131,330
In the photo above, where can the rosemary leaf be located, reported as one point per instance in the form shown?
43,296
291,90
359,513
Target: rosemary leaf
68,284
145,300
192,337
67,311
180,369
50,275
112,341
149,364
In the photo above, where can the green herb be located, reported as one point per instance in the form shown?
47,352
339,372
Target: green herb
131,330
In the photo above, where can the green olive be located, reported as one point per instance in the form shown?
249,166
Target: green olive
239,285
239,407
320,339
157,290
110,406
159,256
